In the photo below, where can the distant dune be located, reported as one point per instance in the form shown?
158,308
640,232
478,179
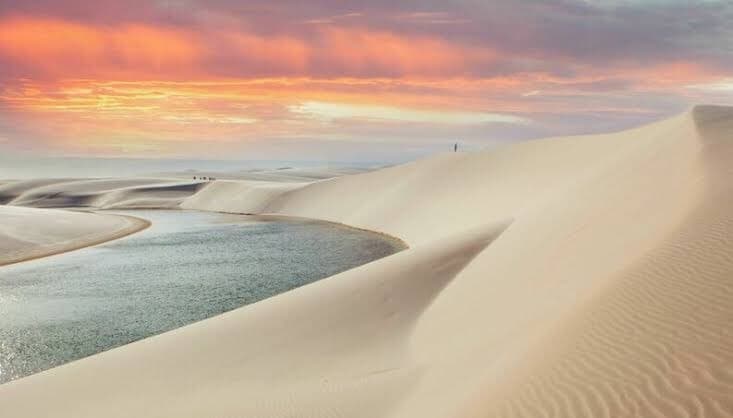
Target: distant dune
167,190
27,233
586,276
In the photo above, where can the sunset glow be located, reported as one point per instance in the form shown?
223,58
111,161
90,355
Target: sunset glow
165,77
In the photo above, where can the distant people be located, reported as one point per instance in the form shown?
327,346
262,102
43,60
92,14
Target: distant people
194,177
455,147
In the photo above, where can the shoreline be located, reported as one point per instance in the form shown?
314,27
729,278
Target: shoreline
142,224
401,242
134,226
358,249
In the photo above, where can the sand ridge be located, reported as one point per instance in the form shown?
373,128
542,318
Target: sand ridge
100,193
29,233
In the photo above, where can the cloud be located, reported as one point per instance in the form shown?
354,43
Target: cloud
531,93
40,46
43,47
333,19
334,111
326,38
106,75
725,85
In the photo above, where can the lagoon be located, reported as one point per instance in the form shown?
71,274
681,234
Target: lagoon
188,266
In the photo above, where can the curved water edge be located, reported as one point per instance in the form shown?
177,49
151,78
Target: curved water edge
186,267
136,225
275,216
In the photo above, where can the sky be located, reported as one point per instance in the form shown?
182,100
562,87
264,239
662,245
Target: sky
346,80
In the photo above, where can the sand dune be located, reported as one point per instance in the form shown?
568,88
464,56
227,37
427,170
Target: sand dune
567,277
238,196
281,175
27,233
167,191
11,190
99,193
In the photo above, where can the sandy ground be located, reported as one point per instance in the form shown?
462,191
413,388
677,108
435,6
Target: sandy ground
568,277
28,233
280,175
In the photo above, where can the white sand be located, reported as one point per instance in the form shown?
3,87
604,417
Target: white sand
27,233
131,192
569,277
280,175
239,196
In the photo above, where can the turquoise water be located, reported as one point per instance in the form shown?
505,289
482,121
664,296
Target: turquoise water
187,267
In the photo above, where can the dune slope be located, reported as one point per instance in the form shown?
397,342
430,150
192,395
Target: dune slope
566,277
27,233
99,193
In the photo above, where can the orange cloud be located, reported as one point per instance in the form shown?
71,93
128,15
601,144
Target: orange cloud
675,74
277,54
131,86
369,52
109,116
57,47
64,49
